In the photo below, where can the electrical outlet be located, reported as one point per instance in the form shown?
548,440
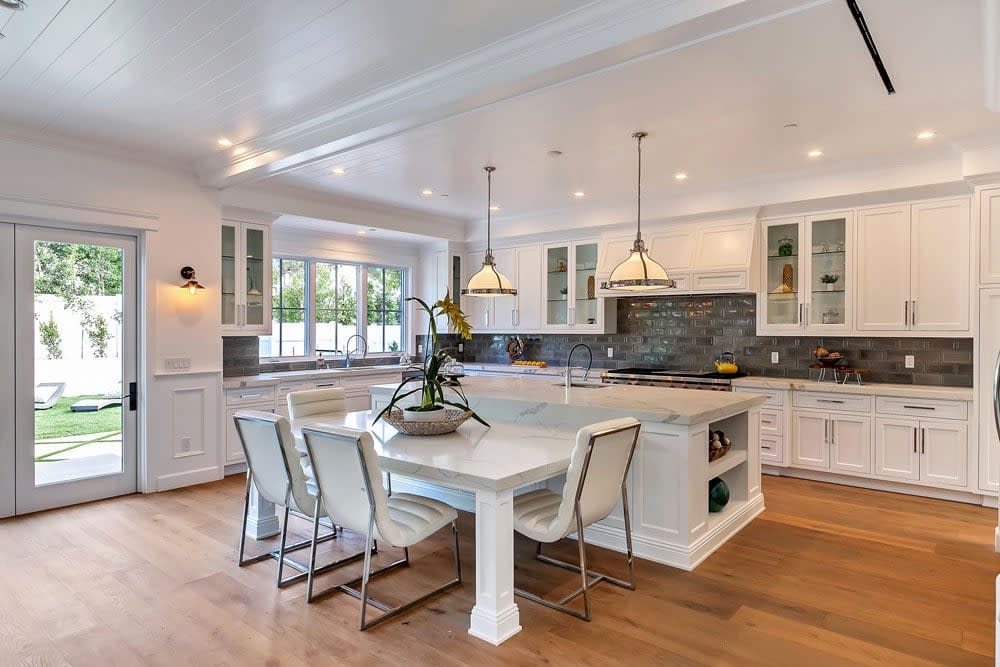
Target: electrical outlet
909,361
611,352
185,444
420,349
461,347
178,363
774,357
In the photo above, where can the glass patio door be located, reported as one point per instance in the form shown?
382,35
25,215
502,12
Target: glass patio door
74,361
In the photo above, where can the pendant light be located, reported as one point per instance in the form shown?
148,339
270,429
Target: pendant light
488,281
639,272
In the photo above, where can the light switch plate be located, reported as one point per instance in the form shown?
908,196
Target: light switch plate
178,363
611,352
774,357
909,361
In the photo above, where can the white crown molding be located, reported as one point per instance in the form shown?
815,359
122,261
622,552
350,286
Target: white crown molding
590,39
14,208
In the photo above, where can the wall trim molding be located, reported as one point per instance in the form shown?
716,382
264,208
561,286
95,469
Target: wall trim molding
187,478
34,211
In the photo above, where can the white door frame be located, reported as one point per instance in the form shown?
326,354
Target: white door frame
28,497
6,369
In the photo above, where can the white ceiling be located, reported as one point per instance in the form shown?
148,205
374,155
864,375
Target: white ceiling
171,76
408,95
714,110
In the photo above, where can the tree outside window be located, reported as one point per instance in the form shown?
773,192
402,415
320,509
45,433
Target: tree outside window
336,305
288,310
385,309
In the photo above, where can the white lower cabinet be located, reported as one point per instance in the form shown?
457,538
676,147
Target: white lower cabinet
234,450
831,442
926,451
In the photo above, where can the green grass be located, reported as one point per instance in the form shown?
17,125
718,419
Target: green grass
59,421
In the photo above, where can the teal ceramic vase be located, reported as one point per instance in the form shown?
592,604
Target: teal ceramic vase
718,494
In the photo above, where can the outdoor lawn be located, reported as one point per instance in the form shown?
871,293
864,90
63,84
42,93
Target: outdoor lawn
59,421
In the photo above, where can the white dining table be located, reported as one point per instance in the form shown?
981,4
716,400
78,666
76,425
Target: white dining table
492,463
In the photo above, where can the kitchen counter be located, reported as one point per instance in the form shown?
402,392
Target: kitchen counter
276,378
876,389
663,405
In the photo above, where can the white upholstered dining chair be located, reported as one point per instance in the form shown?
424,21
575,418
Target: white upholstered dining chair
348,482
594,483
272,466
329,400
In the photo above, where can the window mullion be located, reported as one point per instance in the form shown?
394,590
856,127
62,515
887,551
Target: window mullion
309,316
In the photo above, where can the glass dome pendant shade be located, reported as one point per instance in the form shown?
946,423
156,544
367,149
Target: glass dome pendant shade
488,281
638,272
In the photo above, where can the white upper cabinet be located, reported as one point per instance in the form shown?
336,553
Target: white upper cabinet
523,312
246,278
569,280
914,267
989,236
807,274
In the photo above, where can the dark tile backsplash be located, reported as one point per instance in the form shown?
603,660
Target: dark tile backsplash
241,356
689,332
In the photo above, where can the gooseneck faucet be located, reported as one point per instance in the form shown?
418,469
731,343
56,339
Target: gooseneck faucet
347,346
569,361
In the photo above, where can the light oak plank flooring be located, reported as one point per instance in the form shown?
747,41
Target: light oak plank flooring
828,575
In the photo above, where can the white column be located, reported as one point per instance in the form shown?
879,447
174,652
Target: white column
495,618
262,521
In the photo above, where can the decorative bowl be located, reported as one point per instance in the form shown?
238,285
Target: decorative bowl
452,418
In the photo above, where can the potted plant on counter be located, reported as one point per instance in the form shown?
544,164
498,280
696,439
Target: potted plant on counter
433,406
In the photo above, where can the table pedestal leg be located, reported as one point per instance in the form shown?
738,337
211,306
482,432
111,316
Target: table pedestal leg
262,521
495,617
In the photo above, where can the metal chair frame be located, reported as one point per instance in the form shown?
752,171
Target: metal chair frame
370,548
279,554
585,574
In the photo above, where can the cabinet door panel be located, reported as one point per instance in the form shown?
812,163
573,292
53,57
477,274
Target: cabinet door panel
896,453
529,294
989,349
781,303
478,310
989,236
229,286
940,254
852,444
883,252
257,252
809,440
504,308
944,453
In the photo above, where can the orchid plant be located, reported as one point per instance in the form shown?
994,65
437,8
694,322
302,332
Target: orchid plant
432,386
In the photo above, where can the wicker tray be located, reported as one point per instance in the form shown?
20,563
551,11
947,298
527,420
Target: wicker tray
453,419
716,454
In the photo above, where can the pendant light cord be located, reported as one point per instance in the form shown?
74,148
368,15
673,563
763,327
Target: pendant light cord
638,199
489,213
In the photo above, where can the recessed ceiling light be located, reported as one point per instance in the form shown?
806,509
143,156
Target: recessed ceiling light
815,153
579,193
361,232
222,141
338,171
494,207
926,134
426,192
680,176
555,153
791,126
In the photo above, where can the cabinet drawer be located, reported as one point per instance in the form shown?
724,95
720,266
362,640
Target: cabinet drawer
249,395
770,422
774,396
824,401
721,280
922,408
771,448
365,381
286,388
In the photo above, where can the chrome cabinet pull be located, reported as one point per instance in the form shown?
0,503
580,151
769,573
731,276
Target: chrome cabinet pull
996,395
918,407
513,317
800,314
906,312
913,314
914,439
828,400
923,441
833,432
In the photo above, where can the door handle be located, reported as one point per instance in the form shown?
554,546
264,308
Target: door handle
133,395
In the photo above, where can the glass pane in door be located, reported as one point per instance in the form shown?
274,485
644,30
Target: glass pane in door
557,285
228,274
782,274
78,361
585,284
829,277
254,245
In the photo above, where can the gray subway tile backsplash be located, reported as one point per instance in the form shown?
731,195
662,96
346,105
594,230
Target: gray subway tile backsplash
690,332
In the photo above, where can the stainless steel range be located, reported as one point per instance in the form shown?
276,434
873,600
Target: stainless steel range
673,378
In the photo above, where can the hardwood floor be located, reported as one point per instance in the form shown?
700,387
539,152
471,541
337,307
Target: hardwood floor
828,575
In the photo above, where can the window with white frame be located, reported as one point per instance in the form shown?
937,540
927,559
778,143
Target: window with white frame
319,304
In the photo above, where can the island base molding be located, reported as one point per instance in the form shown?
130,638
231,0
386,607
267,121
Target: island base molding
884,485
682,557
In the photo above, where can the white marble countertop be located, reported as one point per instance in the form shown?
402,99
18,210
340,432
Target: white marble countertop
505,456
875,389
555,371
276,378
603,401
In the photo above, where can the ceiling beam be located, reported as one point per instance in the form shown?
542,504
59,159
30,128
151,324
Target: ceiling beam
594,38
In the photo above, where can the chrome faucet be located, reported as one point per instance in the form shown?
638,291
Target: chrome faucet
569,360
347,346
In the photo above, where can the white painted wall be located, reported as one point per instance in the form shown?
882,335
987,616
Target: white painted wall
177,221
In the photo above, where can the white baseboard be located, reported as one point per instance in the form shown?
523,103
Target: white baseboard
883,485
685,558
234,469
187,478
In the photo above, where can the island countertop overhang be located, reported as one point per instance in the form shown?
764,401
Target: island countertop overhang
651,404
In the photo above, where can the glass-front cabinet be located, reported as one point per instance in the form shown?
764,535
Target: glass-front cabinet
570,280
246,278
807,274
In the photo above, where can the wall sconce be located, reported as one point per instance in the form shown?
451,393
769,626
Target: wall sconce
192,285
